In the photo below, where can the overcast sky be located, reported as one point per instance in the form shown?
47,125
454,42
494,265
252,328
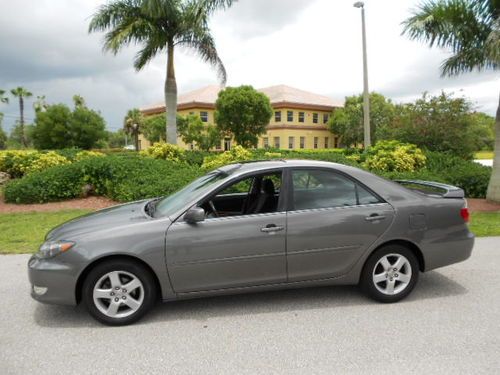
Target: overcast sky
313,45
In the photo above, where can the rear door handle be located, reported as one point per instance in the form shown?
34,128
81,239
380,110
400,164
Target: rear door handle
271,228
374,217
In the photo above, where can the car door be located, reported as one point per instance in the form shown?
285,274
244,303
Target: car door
331,221
228,251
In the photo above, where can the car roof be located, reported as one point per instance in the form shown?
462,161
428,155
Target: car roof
258,165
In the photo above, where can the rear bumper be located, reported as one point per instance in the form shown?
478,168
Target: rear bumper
450,252
51,281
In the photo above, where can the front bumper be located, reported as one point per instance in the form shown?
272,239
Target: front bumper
52,281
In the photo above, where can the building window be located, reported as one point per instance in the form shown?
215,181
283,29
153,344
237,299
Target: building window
218,146
204,116
289,116
276,142
325,118
326,142
191,113
277,116
316,142
315,118
301,116
265,142
227,144
336,142
291,141
191,146
302,142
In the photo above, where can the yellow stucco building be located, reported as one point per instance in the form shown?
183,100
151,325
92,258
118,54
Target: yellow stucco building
299,118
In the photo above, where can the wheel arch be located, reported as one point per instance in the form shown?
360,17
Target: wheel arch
409,245
90,266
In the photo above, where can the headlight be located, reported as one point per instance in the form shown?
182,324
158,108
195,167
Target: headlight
52,248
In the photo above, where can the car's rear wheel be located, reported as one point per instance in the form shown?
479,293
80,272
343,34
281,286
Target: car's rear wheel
119,292
390,273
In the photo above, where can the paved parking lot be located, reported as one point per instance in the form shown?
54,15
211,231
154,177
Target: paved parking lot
449,325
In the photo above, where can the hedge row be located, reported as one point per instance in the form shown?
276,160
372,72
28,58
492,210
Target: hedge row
121,178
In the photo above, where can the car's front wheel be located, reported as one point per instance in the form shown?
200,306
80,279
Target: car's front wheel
390,273
118,292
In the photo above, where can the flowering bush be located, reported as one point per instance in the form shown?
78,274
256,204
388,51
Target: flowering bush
389,156
16,162
237,153
165,151
45,161
80,155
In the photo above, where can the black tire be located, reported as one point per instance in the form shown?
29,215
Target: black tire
373,290
147,293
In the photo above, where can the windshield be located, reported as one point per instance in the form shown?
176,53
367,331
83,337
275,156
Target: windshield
171,204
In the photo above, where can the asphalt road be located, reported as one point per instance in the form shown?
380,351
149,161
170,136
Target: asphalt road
449,325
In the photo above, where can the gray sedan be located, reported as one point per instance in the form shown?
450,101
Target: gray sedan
252,227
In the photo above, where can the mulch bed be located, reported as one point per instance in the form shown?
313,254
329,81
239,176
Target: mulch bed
90,203
482,205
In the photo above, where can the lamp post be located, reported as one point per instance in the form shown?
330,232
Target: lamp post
366,94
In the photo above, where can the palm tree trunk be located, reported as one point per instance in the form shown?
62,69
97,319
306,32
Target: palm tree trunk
21,120
171,97
493,193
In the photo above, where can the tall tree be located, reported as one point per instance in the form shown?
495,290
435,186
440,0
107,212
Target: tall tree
3,98
21,93
79,101
40,104
471,30
244,113
132,124
193,130
158,26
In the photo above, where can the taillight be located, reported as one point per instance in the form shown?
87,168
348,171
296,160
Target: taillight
464,212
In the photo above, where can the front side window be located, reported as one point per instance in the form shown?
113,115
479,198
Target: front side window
204,116
316,188
289,116
252,195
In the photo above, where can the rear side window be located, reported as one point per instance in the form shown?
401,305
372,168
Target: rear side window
316,188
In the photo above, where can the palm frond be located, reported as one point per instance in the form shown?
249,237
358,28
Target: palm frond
147,53
463,26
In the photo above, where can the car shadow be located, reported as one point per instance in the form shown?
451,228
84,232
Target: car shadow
431,285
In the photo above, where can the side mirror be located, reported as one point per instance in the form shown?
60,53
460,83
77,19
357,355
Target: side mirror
194,215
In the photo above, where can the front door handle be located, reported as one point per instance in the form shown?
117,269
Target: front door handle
269,228
374,217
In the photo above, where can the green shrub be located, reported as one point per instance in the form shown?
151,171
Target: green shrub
195,157
164,151
125,178
388,156
236,154
87,154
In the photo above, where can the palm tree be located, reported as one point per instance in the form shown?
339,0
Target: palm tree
132,124
21,93
3,99
158,26
471,30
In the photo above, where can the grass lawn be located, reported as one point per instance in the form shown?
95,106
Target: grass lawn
483,155
24,232
485,223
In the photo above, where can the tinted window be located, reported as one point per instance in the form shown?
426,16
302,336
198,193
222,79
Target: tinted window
321,189
365,197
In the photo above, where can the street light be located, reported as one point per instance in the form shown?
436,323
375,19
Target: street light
366,97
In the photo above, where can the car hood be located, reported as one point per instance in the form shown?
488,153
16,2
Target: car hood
108,218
